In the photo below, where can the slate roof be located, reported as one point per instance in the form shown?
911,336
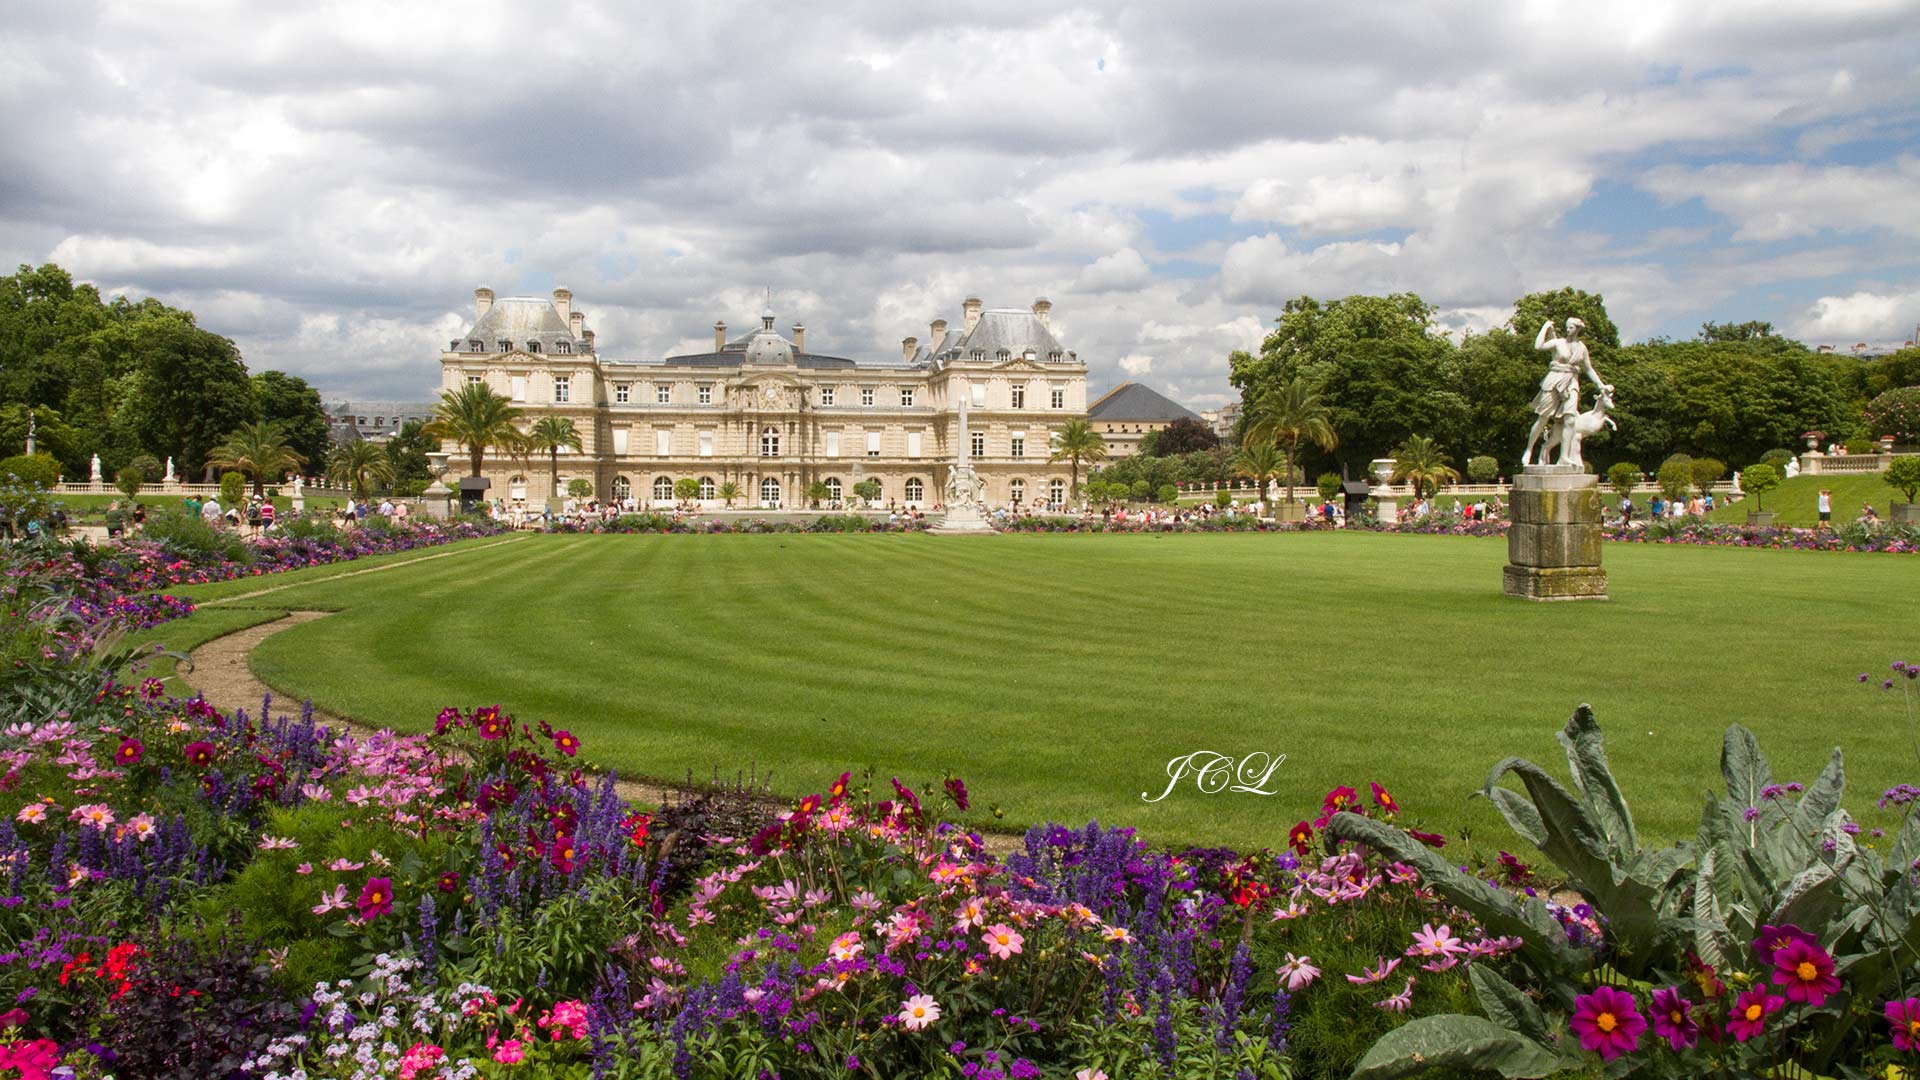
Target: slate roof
1014,332
520,319
732,358
1133,402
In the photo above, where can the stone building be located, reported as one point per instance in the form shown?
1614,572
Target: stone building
769,416
1124,415
375,421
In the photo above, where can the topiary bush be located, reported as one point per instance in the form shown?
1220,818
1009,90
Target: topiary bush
1621,476
233,488
1904,476
1777,458
1483,469
1675,476
38,469
1328,484
1168,494
1896,413
1757,481
1707,472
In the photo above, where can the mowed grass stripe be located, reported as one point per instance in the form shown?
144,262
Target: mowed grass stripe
1059,673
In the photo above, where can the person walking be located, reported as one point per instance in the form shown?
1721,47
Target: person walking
1826,508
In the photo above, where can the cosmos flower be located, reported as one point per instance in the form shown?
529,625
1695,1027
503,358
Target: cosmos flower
1002,941
1299,972
1750,1011
1382,968
918,1012
1905,1018
1399,1002
130,752
376,897
1607,1022
1806,970
1673,1018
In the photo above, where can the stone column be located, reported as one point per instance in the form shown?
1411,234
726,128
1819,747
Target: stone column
1553,544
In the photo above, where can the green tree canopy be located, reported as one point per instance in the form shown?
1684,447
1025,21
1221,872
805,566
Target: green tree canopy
259,450
477,419
287,400
1077,443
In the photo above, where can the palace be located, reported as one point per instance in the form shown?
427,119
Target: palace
763,413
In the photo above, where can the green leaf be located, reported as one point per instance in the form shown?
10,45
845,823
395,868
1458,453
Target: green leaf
1906,846
1587,762
1468,1043
1822,797
1520,815
1506,1006
1744,766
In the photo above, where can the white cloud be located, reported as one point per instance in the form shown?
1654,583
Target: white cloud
1136,364
1877,318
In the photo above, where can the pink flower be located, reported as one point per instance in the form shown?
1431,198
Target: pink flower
1905,1018
337,901
1383,968
1428,941
1806,971
1750,1012
919,1011
376,897
1399,1002
130,752
418,1058
1607,1022
1299,972
509,1052
1673,1019
1002,940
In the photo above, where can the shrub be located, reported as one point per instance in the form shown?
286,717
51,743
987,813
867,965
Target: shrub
1861,445
686,488
196,1008
1777,458
129,480
579,488
1707,472
1896,413
1757,481
1621,476
1483,469
233,488
186,535
1675,476
37,469
1328,484
1168,494
1140,490
1904,476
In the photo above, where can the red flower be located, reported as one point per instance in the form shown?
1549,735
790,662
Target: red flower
1384,799
449,881
561,854
199,753
1806,971
637,826
839,788
564,742
1301,838
1431,839
808,806
376,897
130,752
1607,1022
1750,1012
957,790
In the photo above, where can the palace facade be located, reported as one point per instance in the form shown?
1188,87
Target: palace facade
763,413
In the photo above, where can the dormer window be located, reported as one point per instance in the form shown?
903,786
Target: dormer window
476,345
1054,356
505,345
533,346
562,347
1003,356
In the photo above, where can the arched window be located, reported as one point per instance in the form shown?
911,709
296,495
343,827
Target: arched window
833,488
622,488
1057,491
916,490
769,494
1018,490
517,489
533,346
706,487
770,442
663,488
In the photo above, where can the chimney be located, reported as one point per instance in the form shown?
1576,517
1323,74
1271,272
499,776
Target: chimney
719,336
587,336
799,337
907,345
576,321
1043,310
563,303
482,300
972,307
937,333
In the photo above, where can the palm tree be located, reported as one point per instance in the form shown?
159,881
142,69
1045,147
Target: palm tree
728,492
552,434
1422,464
259,450
476,418
1294,411
358,465
1077,442
1257,462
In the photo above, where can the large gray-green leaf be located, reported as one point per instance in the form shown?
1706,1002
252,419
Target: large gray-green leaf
1506,1006
1521,817
1468,1043
1906,846
1822,797
1744,766
1810,901
1710,937
1587,761
1502,914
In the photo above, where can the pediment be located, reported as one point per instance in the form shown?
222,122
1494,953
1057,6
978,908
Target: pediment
1020,365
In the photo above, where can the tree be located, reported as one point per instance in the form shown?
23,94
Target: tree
233,488
358,466
1757,481
1259,462
816,493
1327,485
1167,494
287,400
39,470
129,480
1419,462
1706,473
552,434
1483,469
1622,476
1289,413
259,450
1904,476
580,488
729,491
1675,476
1895,413
1183,436
476,418
686,489
1599,332
1076,443
190,389
1727,331
868,490
407,451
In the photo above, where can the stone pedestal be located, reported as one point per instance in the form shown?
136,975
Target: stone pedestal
1553,545
962,520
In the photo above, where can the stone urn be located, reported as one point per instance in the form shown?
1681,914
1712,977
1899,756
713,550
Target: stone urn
1907,514
1760,519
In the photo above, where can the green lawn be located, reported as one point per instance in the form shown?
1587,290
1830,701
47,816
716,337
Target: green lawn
1796,501
1059,674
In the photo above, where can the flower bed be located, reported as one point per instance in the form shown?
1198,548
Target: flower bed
669,523
1699,534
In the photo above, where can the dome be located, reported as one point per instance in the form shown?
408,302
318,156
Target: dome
767,347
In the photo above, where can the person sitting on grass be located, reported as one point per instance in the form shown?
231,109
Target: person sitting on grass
1868,517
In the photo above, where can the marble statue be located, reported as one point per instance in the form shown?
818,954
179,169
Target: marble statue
965,489
1793,467
95,475
299,483
1558,402
1571,432
170,478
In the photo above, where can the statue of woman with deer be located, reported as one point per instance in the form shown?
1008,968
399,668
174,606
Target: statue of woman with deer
1557,405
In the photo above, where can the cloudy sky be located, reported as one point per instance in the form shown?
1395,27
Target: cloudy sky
327,182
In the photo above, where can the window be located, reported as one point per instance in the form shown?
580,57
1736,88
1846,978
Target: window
1020,395
906,397
663,393
979,448
833,444
706,444
1057,492
866,395
769,494
663,442
475,345
563,347
663,488
562,388
1054,356
505,345
913,444
622,488
620,436
1059,398
1003,356
379,421
706,393
979,395
916,490
833,488
826,395
533,346
1017,490
517,489
770,447
622,393
706,487
517,384
1018,446
873,444
474,380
